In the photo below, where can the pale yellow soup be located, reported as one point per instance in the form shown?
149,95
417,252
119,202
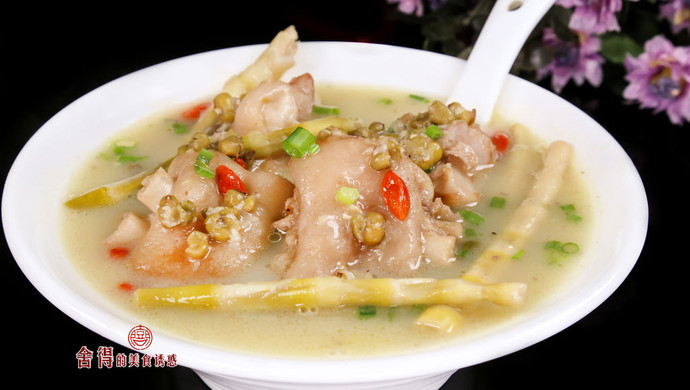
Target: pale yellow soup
339,332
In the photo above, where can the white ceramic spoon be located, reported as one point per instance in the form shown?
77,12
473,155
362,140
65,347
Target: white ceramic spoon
507,28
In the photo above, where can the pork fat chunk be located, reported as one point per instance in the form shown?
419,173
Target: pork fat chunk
466,150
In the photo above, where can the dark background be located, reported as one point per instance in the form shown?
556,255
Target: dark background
52,55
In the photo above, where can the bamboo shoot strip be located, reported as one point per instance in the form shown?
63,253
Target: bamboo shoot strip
331,291
546,185
112,193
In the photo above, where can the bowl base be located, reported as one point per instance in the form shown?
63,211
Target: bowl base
220,382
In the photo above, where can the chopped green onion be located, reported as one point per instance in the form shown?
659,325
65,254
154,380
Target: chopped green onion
179,127
472,217
434,132
497,202
366,311
386,101
417,97
326,110
123,158
559,251
471,233
570,213
570,248
300,143
119,150
518,255
201,166
552,245
568,208
347,195
122,149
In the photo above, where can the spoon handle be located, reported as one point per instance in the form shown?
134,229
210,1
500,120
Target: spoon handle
507,28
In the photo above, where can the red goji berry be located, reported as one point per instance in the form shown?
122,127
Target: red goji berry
395,195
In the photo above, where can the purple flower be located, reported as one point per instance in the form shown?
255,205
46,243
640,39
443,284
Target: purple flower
677,12
658,78
409,6
578,60
593,16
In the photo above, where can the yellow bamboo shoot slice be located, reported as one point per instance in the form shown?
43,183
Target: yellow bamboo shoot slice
331,291
112,193
528,215
442,318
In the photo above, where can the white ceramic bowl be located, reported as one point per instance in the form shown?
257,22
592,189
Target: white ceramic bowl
31,217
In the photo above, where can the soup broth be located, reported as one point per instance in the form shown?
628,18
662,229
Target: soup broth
340,332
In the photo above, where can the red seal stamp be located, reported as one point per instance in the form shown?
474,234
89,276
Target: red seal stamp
140,337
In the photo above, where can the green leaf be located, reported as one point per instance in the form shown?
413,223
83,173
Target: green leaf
616,47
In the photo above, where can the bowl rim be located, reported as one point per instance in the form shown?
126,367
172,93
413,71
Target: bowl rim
224,362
